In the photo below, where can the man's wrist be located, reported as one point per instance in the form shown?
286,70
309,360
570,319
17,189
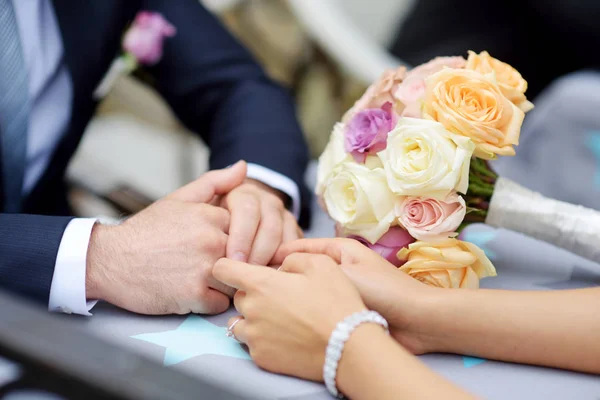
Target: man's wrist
100,253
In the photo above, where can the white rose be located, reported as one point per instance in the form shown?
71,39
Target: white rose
331,158
359,199
423,159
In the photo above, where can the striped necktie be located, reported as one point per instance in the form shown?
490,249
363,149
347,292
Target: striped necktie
14,108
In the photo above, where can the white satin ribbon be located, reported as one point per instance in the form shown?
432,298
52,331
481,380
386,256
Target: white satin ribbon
571,227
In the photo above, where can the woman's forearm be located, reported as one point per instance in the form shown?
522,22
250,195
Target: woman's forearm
551,328
373,366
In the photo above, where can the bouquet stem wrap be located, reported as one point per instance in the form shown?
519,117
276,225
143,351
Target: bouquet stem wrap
571,227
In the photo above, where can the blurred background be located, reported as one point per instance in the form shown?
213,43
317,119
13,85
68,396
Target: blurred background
327,52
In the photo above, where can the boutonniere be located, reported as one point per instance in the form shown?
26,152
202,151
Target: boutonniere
142,45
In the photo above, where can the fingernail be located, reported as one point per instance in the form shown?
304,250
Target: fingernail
239,256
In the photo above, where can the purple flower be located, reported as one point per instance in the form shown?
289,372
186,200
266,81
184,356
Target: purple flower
389,244
144,40
367,131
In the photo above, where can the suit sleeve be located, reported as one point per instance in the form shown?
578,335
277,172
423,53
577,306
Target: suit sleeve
28,248
218,90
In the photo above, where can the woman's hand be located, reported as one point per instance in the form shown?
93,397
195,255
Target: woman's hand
290,313
402,300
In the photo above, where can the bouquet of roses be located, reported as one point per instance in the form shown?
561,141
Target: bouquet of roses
408,163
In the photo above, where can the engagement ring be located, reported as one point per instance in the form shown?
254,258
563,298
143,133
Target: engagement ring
229,331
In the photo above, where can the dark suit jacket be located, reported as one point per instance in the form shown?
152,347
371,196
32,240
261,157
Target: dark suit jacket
210,81
543,39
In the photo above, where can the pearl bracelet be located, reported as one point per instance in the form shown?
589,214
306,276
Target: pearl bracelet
338,339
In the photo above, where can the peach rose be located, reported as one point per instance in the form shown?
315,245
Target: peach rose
448,264
471,104
380,92
430,219
510,81
412,89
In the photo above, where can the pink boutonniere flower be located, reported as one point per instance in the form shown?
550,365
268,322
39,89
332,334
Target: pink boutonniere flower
142,45
144,40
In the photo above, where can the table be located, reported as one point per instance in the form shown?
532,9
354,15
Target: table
198,344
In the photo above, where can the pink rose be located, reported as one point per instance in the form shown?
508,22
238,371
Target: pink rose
366,133
389,244
380,92
429,219
411,91
144,40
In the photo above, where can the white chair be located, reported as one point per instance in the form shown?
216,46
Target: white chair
354,33
220,6
135,142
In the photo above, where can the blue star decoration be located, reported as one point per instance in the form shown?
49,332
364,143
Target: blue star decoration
481,239
593,143
470,362
194,337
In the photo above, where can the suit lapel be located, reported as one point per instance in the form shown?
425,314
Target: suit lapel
91,32
80,44
1,181
79,36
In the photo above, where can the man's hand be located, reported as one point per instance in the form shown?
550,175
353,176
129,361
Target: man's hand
160,260
259,223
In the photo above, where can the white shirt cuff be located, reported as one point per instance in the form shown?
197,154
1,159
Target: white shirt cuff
277,181
67,292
